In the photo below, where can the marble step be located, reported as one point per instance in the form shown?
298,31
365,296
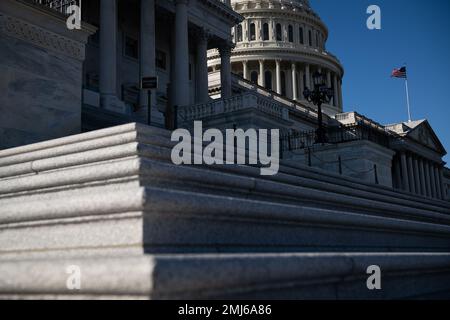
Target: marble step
146,172
165,220
221,276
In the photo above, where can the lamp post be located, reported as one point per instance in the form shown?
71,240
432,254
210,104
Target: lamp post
321,94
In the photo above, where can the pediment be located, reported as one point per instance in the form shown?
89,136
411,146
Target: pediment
423,133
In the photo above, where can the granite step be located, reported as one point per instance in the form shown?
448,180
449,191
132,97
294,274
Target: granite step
239,276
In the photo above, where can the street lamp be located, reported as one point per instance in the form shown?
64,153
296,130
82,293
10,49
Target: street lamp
321,94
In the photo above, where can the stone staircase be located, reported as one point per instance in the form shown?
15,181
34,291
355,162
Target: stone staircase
112,203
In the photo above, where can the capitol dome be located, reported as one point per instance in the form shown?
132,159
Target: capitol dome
279,46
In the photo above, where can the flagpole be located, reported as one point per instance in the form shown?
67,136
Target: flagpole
407,100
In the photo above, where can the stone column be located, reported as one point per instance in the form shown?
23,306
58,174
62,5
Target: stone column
328,79
308,77
180,83
432,180
412,183
441,180
438,184
302,84
335,88
405,178
397,174
278,75
294,82
201,87
427,178
225,70
262,80
416,175
108,53
245,70
341,103
423,184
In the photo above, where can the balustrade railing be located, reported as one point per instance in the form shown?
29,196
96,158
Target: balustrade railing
348,133
60,6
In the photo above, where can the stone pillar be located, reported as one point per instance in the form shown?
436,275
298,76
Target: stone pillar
397,174
245,70
416,175
328,79
438,184
147,46
441,181
412,183
225,70
335,88
423,184
427,178
405,178
432,180
108,53
308,77
201,87
302,84
341,102
294,82
262,80
180,82
278,75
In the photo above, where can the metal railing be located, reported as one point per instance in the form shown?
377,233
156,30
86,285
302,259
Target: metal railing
348,133
57,5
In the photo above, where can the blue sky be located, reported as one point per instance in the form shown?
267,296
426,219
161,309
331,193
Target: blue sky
413,32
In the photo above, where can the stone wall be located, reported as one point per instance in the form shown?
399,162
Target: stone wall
41,74
363,160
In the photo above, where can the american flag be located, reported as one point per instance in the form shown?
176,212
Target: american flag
399,73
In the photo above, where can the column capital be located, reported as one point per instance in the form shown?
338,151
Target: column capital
225,48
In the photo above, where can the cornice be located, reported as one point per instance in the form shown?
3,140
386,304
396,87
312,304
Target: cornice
38,36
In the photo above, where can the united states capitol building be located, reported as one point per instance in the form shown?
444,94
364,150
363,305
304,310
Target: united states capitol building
87,182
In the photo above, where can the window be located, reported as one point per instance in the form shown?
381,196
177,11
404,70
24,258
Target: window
161,60
279,32
239,33
265,32
310,38
291,34
302,40
268,80
252,32
317,40
131,48
254,77
283,83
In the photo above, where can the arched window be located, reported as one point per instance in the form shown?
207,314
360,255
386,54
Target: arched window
268,80
252,32
291,33
254,77
302,40
283,83
310,38
239,33
265,32
279,32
